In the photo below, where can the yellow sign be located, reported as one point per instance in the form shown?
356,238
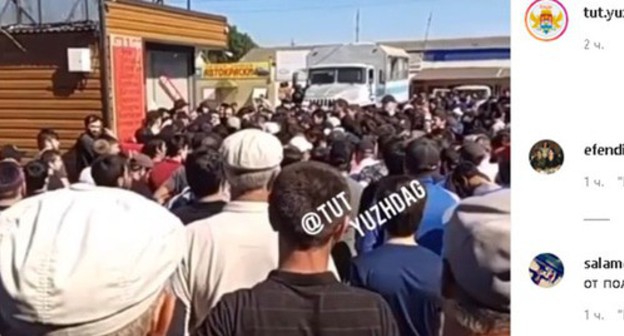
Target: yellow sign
248,70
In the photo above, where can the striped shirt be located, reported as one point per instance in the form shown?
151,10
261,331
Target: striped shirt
289,304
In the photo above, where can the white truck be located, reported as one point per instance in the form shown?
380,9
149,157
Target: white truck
361,74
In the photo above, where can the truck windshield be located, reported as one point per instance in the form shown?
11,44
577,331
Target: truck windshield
340,75
322,76
351,76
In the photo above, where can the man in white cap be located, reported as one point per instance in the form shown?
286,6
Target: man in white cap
88,261
236,248
303,145
476,277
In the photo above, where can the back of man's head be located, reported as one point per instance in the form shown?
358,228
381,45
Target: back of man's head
297,192
11,181
176,145
474,152
204,172
393,153
36,175
340,155
405,196
422,157
110,171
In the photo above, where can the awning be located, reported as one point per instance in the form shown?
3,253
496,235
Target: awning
226,84
461,74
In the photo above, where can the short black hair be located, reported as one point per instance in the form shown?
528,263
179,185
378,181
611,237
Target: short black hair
107,169
176,144
91,118
204,172
319,154
151,147
405,222
299,189
340,155
36,176
46,134
393,154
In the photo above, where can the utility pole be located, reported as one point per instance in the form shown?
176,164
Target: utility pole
357,26
188,4
427,31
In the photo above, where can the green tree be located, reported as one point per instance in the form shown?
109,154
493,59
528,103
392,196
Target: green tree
239,44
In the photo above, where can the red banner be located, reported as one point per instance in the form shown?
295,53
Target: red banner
129,85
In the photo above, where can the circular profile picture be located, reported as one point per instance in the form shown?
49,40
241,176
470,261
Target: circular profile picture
546,20
546,157
546,270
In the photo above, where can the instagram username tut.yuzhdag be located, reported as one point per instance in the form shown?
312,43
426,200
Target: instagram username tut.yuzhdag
313,222
602,13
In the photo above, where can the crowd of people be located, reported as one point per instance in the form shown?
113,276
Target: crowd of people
196,228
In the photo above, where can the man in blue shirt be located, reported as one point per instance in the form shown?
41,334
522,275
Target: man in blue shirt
406,274
422,161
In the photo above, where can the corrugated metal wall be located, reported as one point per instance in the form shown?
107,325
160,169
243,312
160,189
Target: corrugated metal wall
37,91
165,24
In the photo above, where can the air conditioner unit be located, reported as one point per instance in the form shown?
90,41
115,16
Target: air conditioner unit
79,60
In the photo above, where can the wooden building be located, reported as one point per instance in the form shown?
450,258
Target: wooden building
146,59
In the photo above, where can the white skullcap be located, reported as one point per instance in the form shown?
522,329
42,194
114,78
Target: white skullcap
333,121
301,143
85,260
252,150
272,127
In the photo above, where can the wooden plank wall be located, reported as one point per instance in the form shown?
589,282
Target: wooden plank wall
37,91
164,24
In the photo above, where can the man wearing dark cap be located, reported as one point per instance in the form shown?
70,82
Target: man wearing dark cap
478,154
422,160
476,273
12,184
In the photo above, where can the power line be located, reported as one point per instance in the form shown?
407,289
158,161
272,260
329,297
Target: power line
357,26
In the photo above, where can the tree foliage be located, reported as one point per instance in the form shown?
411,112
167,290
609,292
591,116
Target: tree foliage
239,44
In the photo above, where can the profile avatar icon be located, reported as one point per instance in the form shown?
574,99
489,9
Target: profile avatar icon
546,270
546,157
546,20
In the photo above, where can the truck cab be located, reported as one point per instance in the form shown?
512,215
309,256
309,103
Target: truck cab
355,83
